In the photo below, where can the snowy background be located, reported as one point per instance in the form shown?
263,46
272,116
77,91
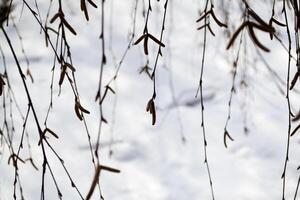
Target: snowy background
154,162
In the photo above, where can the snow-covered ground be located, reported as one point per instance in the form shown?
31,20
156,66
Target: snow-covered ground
154,162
